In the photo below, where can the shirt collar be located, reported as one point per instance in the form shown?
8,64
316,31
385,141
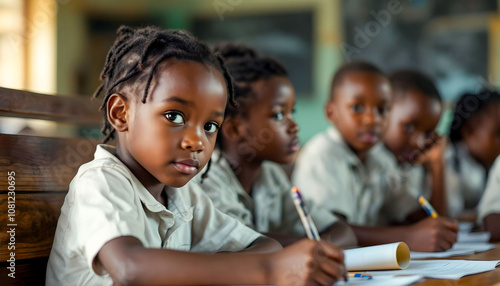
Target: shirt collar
104,151
345,151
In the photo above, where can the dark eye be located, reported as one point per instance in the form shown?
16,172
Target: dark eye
211,127
409,127
383,110
175,117
357,108
278,116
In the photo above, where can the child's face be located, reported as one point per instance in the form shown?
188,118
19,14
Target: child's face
482,137
271,130
412,122
172,135
358,109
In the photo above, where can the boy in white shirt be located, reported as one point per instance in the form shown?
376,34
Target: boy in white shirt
339,170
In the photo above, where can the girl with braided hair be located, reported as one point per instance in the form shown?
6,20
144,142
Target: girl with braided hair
246,180
129,217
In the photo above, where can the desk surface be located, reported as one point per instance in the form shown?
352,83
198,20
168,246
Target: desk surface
485,278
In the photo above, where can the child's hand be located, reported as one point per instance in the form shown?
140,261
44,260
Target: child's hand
308,262
434,154
432,234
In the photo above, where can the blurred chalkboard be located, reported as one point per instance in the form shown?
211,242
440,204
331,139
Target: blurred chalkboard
284,36
432,36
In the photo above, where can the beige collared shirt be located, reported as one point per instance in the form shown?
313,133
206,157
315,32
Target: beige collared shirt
329,173
270,208
106,201
465,180
490,201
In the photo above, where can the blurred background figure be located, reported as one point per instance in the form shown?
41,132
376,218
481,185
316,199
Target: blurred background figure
55,46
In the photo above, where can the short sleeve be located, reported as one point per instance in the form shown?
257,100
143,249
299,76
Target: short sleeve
318,180
105,207
222,191
322,217
490,202
214,231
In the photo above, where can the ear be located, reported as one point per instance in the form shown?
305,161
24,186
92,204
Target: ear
331,112
233,129
118,107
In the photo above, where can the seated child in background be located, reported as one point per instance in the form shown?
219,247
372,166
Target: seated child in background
128,217
245,179
339,170
411,150
489,206
475,143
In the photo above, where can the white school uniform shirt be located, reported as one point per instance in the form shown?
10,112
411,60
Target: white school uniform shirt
490,201
270,208
406,181
328,172
465,179
105,201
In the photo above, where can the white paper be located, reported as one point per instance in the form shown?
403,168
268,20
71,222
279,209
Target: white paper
383,280
465,226
442,269
386,256
458,248
481,236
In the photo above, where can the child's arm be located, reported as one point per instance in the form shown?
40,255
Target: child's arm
491,223
129,263
263,245
428,235
433,161
341,234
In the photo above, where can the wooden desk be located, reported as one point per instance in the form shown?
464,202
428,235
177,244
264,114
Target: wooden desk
481,279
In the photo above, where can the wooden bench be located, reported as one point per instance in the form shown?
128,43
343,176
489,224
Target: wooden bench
40,170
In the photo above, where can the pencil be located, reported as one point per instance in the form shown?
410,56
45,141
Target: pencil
427,207
305,215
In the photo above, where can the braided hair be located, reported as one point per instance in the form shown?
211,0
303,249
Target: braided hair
246,66
135,55
467,106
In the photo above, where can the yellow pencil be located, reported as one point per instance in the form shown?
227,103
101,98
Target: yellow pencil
427,207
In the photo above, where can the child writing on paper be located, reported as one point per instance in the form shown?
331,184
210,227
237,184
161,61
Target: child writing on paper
475,143
489,206
128,217
342,173
245,179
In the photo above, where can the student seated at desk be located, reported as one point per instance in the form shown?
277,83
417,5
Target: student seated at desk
411,149
489,206
474,146
130,218
245,179
339,170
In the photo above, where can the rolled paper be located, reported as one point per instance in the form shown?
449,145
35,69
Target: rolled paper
379,257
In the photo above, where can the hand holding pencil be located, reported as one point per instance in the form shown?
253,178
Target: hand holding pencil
314,261
434,233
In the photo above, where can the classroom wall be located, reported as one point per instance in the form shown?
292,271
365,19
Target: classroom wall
328,36
72,36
